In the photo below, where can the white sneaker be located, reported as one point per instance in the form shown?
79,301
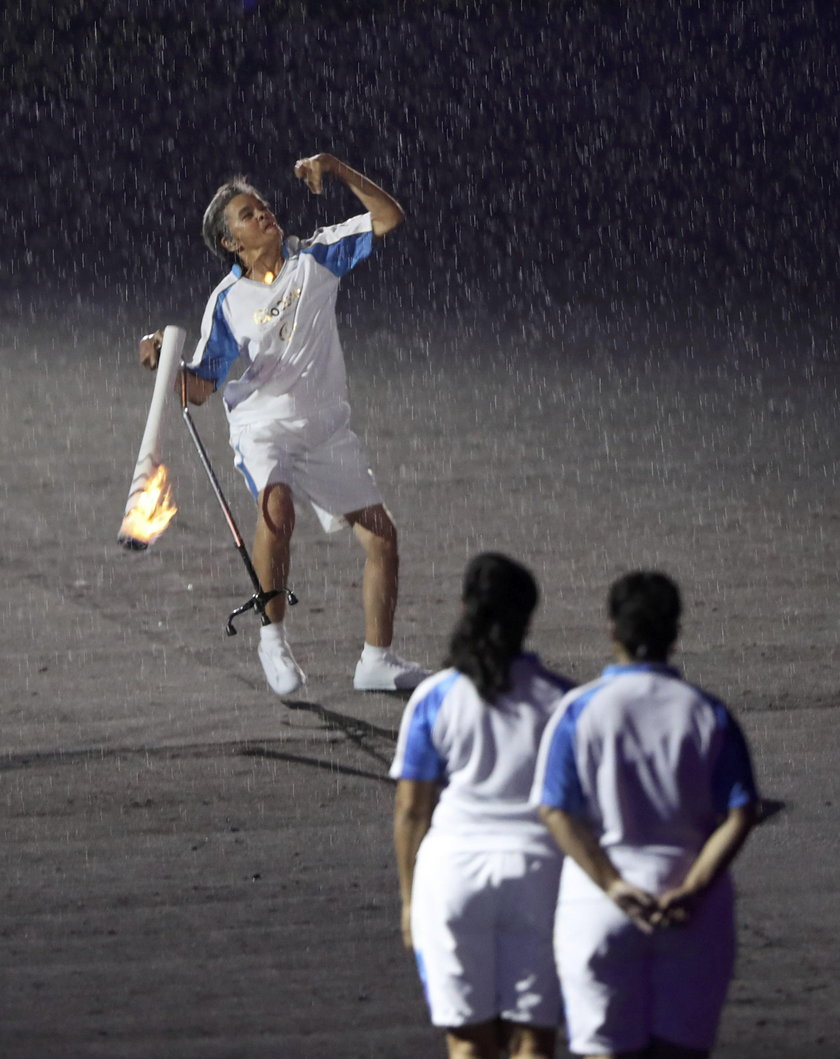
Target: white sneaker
388,673
281,670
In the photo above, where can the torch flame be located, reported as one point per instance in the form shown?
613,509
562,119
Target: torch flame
151,513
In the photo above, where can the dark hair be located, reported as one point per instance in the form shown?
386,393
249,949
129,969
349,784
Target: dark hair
214,226
499,597
645,608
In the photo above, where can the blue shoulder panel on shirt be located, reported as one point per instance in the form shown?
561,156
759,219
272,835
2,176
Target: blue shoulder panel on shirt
220,350
561,785
343,255
421,760
733,782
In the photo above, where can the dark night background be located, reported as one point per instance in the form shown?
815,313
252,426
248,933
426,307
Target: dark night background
667,156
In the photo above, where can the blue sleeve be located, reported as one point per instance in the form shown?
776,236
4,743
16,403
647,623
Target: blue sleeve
733,782
220,350
418,758
342,254
561,784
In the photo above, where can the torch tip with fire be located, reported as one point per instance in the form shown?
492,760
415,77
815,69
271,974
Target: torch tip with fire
150,513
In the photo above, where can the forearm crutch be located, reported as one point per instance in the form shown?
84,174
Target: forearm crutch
260,599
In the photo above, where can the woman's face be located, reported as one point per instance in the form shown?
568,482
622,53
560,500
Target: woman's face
252,226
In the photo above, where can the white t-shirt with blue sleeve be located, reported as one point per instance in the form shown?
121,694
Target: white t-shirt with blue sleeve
286,329
482,755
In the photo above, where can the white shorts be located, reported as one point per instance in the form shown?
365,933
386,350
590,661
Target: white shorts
482,926
319,457
622,987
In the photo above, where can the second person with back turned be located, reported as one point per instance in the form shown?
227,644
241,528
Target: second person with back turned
647,785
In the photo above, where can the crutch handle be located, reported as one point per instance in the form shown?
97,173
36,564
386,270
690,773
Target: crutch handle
258,602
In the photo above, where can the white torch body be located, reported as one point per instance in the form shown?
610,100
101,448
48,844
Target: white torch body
148,459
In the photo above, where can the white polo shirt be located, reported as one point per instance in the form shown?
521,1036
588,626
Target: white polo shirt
482,754
287,329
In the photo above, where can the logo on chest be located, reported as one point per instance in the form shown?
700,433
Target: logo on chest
273,310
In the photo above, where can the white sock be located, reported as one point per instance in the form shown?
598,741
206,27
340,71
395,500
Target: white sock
374,654
275,631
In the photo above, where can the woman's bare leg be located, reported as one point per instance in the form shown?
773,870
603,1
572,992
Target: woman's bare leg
377,534
480,1041
529,1042
275,523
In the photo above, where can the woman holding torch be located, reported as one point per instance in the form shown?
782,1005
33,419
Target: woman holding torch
288,412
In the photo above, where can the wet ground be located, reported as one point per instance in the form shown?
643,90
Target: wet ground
192,867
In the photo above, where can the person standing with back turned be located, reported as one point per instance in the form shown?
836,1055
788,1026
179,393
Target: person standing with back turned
646,784
478,870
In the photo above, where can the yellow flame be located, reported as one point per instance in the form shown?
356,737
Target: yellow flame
268,277
153,510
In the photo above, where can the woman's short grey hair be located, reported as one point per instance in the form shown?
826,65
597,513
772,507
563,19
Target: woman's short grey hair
214,226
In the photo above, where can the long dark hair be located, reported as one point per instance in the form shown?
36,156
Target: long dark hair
645,608
499,597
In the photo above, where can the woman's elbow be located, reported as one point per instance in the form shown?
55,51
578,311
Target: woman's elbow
388,221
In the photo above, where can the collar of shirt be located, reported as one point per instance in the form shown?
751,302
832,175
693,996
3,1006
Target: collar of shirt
617,668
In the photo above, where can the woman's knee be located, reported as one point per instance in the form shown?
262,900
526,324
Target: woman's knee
376,532
277,508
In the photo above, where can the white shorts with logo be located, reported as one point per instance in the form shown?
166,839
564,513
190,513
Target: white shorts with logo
482,929
318,456
622,987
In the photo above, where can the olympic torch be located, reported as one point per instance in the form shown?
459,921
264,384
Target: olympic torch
149,508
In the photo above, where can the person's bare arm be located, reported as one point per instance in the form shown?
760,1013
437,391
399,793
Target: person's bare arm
198,389
577,840
718,852
386,213
413,807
